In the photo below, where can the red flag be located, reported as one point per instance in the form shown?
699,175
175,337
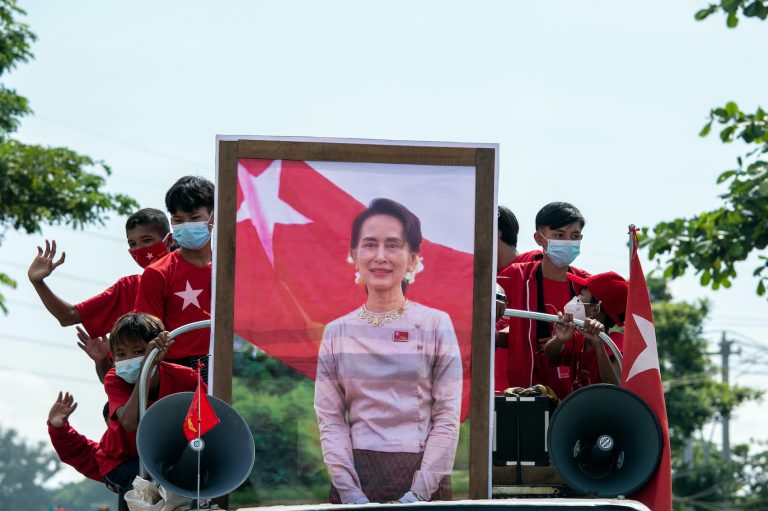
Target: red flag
291,278
641,375
200,418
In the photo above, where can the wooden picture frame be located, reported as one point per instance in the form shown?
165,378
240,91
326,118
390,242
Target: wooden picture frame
482,157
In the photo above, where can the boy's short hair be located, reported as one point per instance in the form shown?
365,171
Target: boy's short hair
151,217
508,226
558,214
190,193
134,326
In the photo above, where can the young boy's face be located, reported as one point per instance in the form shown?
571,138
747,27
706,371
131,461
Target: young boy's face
129,348
142,236
200,214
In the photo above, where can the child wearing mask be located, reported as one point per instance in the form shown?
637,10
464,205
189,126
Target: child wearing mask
602,300
146,231
132,338
177,289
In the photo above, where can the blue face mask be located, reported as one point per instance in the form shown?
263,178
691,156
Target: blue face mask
191,235
563,252
130,369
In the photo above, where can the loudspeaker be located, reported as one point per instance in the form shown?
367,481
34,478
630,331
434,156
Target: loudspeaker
226,458
605,441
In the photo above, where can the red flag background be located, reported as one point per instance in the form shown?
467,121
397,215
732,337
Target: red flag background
291,274
641,375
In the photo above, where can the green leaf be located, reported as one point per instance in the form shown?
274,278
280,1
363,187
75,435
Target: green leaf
731,108
760,288
706,129
705,278
725,175
732,20
704,13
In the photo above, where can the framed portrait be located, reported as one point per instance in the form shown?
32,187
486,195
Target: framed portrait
353,285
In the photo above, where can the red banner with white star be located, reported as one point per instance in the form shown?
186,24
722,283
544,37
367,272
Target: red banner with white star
291,272
642,376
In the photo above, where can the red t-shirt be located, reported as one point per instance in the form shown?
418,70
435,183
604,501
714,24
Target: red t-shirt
99,313
76,450
119,445
178,292
582,364
545,372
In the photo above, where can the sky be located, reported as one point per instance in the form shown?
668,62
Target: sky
595,103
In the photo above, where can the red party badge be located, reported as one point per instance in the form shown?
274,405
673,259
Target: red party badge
400,336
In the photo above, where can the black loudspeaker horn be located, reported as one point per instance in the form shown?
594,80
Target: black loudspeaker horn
605,441
226,458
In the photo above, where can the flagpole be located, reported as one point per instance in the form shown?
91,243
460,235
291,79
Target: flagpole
631,233
199,422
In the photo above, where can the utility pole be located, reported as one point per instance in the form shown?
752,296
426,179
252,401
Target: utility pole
725,353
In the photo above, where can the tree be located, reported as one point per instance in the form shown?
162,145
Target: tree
714,241
23,470
38,184
695,399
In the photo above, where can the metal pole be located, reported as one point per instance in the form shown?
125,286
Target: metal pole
631,245
551,318
144,376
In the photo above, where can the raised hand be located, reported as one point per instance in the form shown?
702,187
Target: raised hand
43,264
61,409
96,348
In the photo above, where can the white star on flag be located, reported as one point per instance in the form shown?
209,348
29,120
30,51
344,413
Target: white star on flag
263,206
648,358
150,256
189,296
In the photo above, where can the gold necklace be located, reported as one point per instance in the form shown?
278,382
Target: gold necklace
381,318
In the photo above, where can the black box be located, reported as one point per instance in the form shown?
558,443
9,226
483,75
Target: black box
520,426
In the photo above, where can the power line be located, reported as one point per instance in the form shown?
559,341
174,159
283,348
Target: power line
65,275
48,376
131,145
20,338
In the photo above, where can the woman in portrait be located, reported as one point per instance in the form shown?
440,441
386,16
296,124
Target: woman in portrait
389,377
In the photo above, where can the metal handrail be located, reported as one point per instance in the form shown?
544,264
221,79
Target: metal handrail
144,376
551,318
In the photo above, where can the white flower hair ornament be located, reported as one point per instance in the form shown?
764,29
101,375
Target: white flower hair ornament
410,275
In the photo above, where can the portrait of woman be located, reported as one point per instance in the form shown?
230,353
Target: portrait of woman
389,374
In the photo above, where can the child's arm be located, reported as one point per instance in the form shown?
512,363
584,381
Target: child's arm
73,448
563,332
42,266
128,414
604,364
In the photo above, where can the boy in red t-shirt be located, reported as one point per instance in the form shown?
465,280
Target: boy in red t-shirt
133,336
177,289
147,232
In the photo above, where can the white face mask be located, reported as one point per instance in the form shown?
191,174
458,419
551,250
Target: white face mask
576,308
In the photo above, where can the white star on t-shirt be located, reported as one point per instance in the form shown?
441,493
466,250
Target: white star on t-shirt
263,206
648,358
190,296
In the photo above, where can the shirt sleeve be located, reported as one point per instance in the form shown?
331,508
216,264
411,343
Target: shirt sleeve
76,450
117,390
335,435
443,437
99,313
151,295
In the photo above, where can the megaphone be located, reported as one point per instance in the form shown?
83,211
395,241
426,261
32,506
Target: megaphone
605,441
226,455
